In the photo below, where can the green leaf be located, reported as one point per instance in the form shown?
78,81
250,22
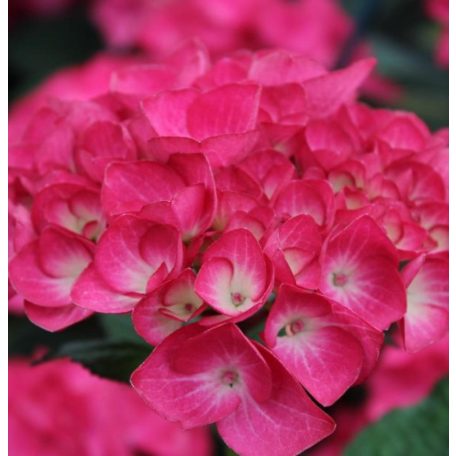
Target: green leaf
24,338
118,327
421,430
115,360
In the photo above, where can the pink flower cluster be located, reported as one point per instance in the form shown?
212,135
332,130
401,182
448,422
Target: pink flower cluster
225,25
59,408
217,199
318,29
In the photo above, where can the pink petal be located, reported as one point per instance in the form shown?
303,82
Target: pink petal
132,249
324,357
226,346
55,318
360,271
161,148
150,322
197,398
166,111
102,143
426,319
310,197
228,109
91,292
225,150
127,187
141,79
233,276
289,411
325,94
63,255
280,67
47,287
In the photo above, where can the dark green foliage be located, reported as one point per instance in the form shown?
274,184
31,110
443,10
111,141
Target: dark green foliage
421,430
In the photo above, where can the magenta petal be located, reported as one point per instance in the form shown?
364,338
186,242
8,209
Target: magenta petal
321,352
91,292
165,111
234,276
196,398
226,345
29,280
129,186
360,271
229,109
326,93
253,428
426,319
55,318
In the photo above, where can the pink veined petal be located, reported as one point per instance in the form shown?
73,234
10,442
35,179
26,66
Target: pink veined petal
426,319
161,244
141,79
228,149
189,207
405,132
309,197
32,282
229,109
371,339
234,275
193,168
279,67
133,249
326,93
246,256
297,422
226,347
271,168
150,322
129,186
118,259
329,142
166,111
360,271
285,104
180,298
102,143
161,148
55,318
294,249
230,203
91,292
165,309
234,179
198,398
66,205
62,255
326,359
213,285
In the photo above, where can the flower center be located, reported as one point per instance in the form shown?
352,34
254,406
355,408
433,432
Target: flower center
294,327
230,378
188,307
339,279
237,299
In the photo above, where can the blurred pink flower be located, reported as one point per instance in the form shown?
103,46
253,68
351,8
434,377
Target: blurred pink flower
59,408
318,29
439,10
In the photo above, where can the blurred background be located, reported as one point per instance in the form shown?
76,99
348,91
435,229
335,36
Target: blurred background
409,38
